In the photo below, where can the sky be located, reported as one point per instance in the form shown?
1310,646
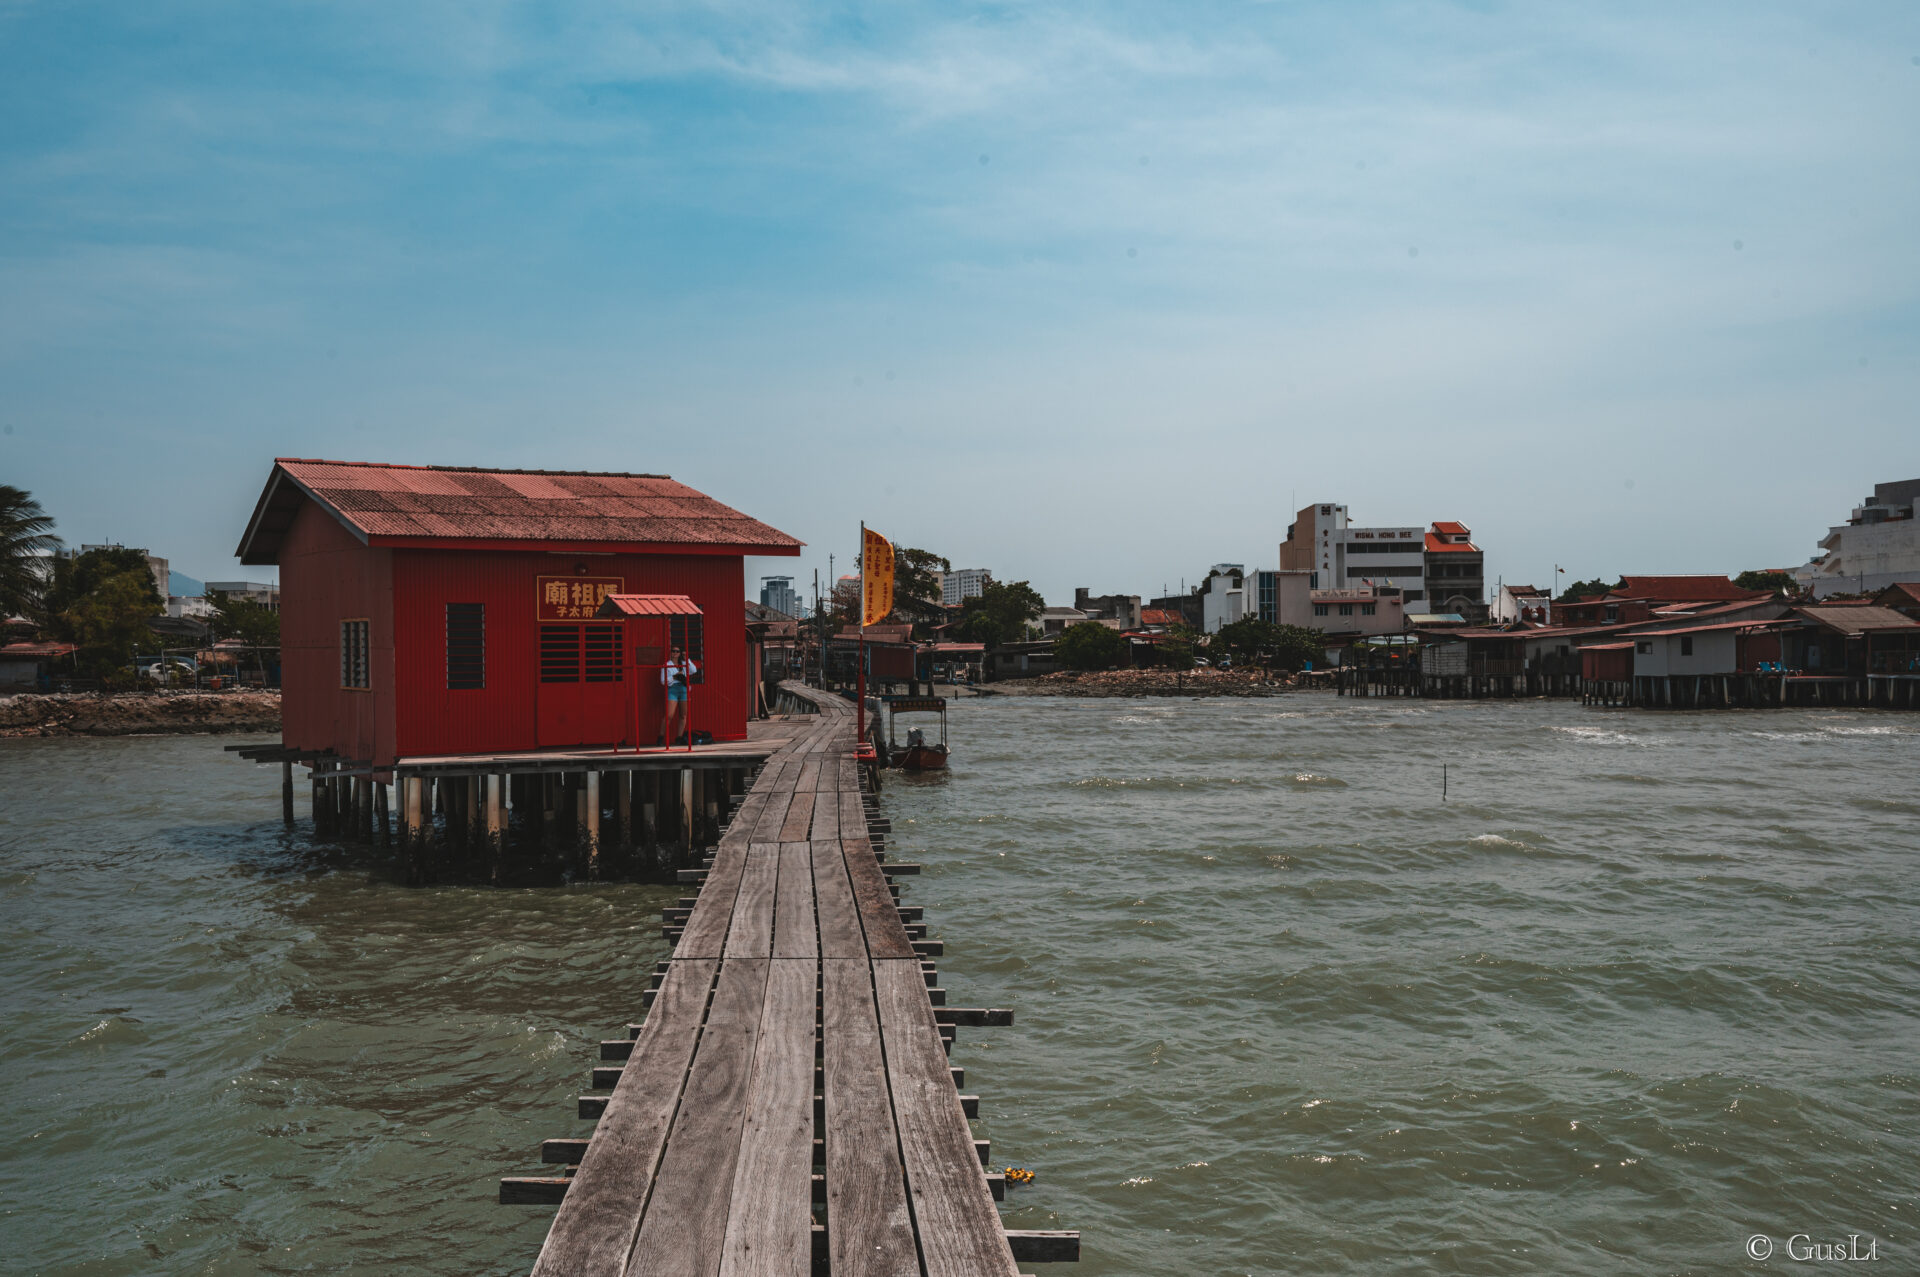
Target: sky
1087,294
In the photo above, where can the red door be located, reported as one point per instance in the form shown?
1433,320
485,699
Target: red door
559,720
582,697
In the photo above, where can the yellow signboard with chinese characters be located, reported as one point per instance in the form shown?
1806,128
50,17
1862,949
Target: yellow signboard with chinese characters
574,598
876,576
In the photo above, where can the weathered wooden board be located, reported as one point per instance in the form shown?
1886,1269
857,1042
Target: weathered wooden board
770,1224
751,935
960,1231
601,1215
685,1227
772,817
705,935
886,935
869,1230
841,935
795,934
799,818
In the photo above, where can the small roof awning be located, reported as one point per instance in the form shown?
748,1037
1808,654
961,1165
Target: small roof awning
615,606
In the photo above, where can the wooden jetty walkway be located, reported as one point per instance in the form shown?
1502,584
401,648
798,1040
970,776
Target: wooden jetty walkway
788,1105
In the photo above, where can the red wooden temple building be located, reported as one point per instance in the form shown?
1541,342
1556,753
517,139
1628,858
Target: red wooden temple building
450,610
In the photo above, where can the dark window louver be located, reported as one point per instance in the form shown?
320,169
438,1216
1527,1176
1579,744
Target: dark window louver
559,654
355,654
466,646
603,654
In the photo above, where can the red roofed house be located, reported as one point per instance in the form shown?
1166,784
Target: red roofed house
443,610
1456,572
1637,598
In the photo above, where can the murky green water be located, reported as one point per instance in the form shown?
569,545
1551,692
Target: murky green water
1644,986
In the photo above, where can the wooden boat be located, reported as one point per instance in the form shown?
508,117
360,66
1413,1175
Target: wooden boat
917,754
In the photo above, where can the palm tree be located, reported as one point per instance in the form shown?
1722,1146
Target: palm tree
26,538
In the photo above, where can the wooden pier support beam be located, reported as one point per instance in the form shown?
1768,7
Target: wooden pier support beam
286,791
590,802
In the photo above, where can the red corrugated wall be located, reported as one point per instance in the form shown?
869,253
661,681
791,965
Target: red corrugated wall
502,716
327,576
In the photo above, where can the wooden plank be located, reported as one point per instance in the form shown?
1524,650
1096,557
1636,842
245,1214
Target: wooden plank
772,817
886,934
809,779
794,931
705,935
869,1231
685,1228
959,1229
853,816
751,935
597,1222
839,918
770,1225
799,818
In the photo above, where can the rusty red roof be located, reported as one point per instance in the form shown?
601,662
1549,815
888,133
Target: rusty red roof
1683,589
1159,616
648,605
450,505
1447,527
38,651
1436,546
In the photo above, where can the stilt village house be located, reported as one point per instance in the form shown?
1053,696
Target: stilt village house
445,610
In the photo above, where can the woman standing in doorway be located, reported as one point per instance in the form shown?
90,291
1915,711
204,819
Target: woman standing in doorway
675,675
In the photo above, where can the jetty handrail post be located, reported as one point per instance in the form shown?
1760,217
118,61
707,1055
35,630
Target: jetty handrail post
860,651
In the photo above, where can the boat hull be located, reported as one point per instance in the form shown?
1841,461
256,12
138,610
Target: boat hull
924,758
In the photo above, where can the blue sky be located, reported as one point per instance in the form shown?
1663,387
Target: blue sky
1090,294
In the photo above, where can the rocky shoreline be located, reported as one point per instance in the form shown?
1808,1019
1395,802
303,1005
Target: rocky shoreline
139,713
1194,682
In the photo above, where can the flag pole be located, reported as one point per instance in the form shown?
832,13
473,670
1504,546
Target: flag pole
860,675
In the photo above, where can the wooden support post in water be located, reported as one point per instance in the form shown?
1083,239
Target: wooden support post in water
590,805
286,791
386,820
623,806
686,807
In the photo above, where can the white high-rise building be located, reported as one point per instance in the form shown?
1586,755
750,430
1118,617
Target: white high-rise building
1323,542
963,583
1878,545
777,593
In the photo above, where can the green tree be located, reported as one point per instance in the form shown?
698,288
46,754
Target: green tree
1089,645
1254,641
1175,648
26,539
254,624
1777,582
109,623
101,601
1586,589
999,614
913,574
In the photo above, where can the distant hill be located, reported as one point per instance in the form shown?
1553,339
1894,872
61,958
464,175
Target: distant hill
184,586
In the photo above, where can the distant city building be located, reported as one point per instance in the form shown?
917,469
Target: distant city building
265,594
1357,611
1055,619
1124,608
162,582
1223,599
1321,539
1878,545
962,584
1456,572
1522,604
191,606
777,593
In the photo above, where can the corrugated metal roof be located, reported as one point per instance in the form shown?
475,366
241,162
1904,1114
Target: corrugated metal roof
458,503
648,605
1858,620
1682,589
38,651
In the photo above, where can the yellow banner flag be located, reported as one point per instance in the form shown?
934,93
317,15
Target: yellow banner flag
876,577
